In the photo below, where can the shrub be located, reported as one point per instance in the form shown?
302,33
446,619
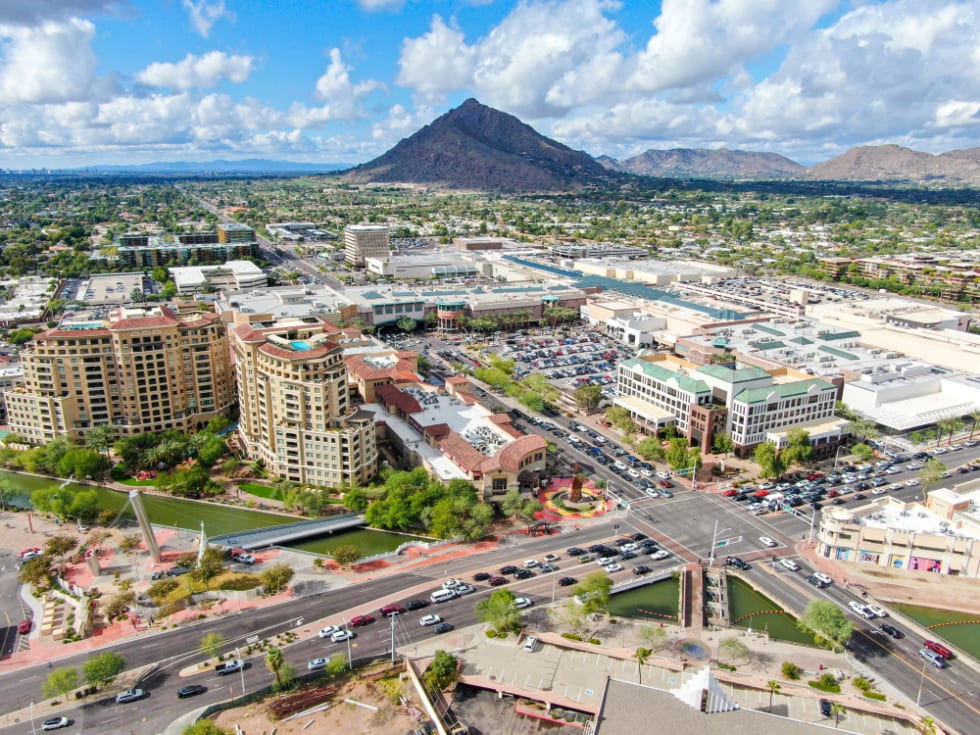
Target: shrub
571,636
791,671
594,641
861,683
726,667
491,634
826,683
875,695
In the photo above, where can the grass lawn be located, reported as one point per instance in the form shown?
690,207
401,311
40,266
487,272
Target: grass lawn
262,491
123,478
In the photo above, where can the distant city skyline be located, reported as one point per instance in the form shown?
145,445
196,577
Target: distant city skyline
86,82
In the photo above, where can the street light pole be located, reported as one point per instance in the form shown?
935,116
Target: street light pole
33,729
241,671
837,456
350,665
714,540
922,677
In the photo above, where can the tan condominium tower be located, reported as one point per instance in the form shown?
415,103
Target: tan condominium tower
137,369
366,241
294,404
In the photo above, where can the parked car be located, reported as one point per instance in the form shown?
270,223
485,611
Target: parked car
567,581
416,604
509,569
481,576
641,569
523,602
24,627
497,581
523,574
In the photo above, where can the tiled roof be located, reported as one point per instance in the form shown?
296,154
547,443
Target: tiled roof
461,452
508,458
391,396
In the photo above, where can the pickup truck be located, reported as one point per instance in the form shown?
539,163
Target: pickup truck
229,667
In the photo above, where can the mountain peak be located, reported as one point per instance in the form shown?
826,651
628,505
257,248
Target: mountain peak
474,146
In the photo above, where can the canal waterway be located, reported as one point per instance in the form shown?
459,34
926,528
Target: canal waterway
749,608
218,519
657,601
959,628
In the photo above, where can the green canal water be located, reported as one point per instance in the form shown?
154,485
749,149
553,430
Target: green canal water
657,601
218,519
966,636
749,608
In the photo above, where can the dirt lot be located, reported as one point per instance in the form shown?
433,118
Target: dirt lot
379,717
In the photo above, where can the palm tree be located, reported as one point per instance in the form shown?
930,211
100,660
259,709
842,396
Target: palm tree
837,710
946,426
774,687
927,726
975,418
274,661
641,656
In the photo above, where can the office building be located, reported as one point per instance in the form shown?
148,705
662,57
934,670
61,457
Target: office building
235,275
295,412
230,242
366,241
137,369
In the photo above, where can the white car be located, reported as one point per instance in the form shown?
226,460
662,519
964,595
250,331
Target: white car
431,619
861,610
881,490
652,493
522,602
529,563
766,541
911,483
663,475
614,568
55,723
629,547
824,578
328,631
659,554
464,589
341,635
317,664
550,557
451,584
789,564
633,473
606,561
878,611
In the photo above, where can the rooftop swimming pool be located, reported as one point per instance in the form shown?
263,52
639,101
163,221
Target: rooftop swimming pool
300,345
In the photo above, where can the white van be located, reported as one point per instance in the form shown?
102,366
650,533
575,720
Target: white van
532,641
443,595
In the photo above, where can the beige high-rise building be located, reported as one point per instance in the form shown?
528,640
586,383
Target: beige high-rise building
294,405
140,369
366,241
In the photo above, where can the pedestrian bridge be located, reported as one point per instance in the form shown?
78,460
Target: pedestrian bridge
263,537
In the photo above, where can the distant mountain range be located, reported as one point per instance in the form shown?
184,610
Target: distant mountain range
477,147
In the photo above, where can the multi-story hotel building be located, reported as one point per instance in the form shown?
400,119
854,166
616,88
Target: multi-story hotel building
751,404
139,370
230,242
294,404
366,241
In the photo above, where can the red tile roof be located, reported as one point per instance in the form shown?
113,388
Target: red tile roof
391,396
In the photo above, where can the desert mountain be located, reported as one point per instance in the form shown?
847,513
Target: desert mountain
896,163
476,147
686,163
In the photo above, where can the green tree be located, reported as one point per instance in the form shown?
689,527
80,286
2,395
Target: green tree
211,644
774,688
277,578
211,564
102,669
649,448
34,571
274,661
442,672
837,710
204,727
407,324
723,444
512,503
927,726
654,637
946,427
594,591
798,449
587,397
356,499
827,620
641,655
768,459
336,666
863,452
100,437
932,474
733,648
346,555
59,546
60,683
499,611
678,454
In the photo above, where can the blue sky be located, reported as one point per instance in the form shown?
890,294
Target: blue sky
85,82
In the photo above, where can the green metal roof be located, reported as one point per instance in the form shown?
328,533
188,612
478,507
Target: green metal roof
779,391
684,382
769,330
738,375
802,341
770,346
832,336
834,351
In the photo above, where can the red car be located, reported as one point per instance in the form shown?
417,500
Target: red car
730,492
358,620
814,476
25,626
760,493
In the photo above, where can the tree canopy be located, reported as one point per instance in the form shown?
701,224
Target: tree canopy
826,620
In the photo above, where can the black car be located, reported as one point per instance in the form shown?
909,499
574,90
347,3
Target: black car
825,707
191,690
523,574
734,561
627,555
176,571
739,497
892,631
622,541
575,551
416,604
509,569
816,582
639,536
497,581
648,544
596,548
442,628
567,581
641,569
481,576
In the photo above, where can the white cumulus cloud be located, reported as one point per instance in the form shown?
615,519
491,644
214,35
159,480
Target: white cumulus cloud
197,72
204,14
50,62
